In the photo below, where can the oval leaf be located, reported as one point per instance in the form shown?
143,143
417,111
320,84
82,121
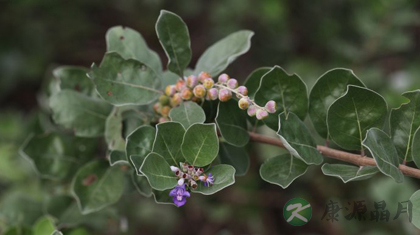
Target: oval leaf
74,78
350,116
124,82
217,57
200,144
158,172
253,80
384,153
224,176
232,123
168,142
414,210
188,113
175,40
415,149
139,144
404,121
282,170
297,139
288,91
234,156
131,45
85,115
349,173
329,87
44,225
97,185
117,157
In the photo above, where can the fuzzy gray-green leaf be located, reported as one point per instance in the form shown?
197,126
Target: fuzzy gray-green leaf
158,172
349,173
188,113
168,142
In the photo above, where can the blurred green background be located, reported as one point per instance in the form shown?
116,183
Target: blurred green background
379,40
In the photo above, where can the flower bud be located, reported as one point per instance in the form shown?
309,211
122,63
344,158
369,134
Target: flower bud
157,107
164,100
162,119
174,169
170,90
180,84
243,103
271,106
208,83
176,100
202,76
252,110
181,181
193,184
199,91
223,78
261,114
243,90
186,94
165,111
192,81
225,95
232,83
212,94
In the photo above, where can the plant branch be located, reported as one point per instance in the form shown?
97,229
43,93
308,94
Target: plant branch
336,154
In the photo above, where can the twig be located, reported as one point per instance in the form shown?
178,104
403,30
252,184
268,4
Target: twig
337,154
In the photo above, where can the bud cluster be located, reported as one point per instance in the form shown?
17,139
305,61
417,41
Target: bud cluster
202,88
189,175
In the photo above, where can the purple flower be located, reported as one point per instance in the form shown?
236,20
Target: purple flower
179,193
208,180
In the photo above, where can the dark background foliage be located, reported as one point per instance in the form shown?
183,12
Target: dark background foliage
379,40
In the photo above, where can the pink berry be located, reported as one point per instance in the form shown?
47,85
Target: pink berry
212,94
243,103
202,76
186,94
223,78
208,83
170,90
243,90
199,91
180,84
175,100
271,106
192,81
232,83
252,110
261,114
225,95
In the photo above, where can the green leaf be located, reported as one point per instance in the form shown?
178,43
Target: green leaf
56,156
217,57
168,142
350,116
349,173
200,144
232,123
414,210
288,91
162,197
384,153
124,82
415,149
329,87
282,170
65,209
224,176
234,156
188,113
44,225
142,185
253,80
73,78
139,144
85,115
18,231
404,121
114,130
175,40
20,208
117,157
158,172
131,45
297,139
97,185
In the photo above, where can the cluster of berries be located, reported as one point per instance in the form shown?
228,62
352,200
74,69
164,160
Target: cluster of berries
188,176
202,88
